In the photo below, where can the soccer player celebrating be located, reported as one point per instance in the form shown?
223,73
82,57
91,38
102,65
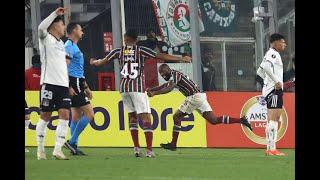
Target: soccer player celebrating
82,111
54,81
271,70
196,100
132,85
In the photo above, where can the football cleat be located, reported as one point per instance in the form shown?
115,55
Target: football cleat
168,146
59,155
41,155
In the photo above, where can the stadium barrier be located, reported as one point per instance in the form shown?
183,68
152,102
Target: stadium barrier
110,127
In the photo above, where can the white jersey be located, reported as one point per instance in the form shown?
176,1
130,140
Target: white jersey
53,56
272,62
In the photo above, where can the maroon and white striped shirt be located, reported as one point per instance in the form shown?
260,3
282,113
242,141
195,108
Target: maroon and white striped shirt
131,61
185,85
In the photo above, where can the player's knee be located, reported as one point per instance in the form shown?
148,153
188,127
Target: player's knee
90,115
64,114
176,118
145,117
132,118
46,116
210,118
214,120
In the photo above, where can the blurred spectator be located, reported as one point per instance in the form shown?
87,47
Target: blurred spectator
32,75
208,70
290,73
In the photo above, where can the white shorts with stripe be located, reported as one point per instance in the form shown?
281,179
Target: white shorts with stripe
197,102
136,102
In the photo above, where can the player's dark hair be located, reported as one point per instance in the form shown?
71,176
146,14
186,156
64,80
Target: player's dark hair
276,37
163,66
132,34
71,27
57,19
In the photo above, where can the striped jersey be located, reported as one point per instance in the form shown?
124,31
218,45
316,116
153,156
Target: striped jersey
185,85
131,61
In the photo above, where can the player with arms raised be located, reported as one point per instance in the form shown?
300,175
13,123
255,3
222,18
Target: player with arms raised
54,81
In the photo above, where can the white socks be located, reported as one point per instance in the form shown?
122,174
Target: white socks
41,132
61,133
26,124
271,134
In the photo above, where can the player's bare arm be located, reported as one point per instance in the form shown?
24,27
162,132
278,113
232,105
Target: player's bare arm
168,88
98,62
43,26
157,87
171,58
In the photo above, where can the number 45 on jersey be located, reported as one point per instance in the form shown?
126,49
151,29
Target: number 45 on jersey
133,70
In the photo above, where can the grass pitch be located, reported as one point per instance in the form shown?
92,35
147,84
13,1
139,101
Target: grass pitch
183,164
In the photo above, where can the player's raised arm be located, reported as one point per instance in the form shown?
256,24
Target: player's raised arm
165,88
171,58
158,87
43,26
147,52
112,55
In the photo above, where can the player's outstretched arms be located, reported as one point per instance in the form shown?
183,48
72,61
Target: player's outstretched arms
171,58
98,62
169,87
158,87
43,26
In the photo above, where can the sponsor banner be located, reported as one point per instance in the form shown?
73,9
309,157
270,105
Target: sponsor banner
110,127
174,20
252,105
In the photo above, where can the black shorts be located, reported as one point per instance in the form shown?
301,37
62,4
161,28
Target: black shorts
81,98
275,99
53,98
26,108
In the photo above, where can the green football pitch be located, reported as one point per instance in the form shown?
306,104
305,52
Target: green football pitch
184,164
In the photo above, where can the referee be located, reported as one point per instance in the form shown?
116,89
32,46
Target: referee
82,111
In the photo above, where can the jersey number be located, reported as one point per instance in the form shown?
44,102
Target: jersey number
133,70
45,94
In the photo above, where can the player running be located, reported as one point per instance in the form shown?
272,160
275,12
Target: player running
271,70
54,81
81,109
132,85
196,100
